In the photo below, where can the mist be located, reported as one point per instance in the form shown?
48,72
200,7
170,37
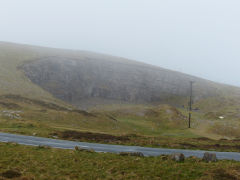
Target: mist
198,37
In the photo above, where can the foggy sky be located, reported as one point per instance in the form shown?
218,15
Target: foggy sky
198,37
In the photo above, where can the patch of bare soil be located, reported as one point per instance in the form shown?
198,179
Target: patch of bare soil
34,101
222,147
10,174
10,105
203,139
43,104
96,137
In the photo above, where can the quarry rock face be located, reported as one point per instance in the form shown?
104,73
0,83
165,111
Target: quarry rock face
92,80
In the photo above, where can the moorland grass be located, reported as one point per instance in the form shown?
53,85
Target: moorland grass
46,163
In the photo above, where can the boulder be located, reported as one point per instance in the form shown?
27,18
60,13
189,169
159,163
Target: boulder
84,150
209,157
179,157
138,154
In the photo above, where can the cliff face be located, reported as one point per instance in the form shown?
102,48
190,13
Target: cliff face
91,80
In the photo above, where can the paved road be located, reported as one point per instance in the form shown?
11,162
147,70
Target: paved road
62,144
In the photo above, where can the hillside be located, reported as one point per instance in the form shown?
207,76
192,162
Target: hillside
86,79
46,87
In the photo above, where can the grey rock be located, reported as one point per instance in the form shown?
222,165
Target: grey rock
179,157
83,149
138,154
209,157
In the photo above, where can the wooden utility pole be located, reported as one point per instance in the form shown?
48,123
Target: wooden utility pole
190,104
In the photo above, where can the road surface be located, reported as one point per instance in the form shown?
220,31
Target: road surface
62,144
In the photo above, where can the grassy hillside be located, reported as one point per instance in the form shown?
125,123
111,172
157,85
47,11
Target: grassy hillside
12,80
154,126
119,112
39,116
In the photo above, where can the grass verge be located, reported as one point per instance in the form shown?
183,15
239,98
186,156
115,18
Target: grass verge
24,162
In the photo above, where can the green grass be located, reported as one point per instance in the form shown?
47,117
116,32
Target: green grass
160,126
148,125
45,163
12,79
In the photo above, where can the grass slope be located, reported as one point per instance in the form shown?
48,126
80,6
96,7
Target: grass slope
148,125
12,80
161,126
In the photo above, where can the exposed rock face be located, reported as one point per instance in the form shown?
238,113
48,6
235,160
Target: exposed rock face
209,157
98,79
